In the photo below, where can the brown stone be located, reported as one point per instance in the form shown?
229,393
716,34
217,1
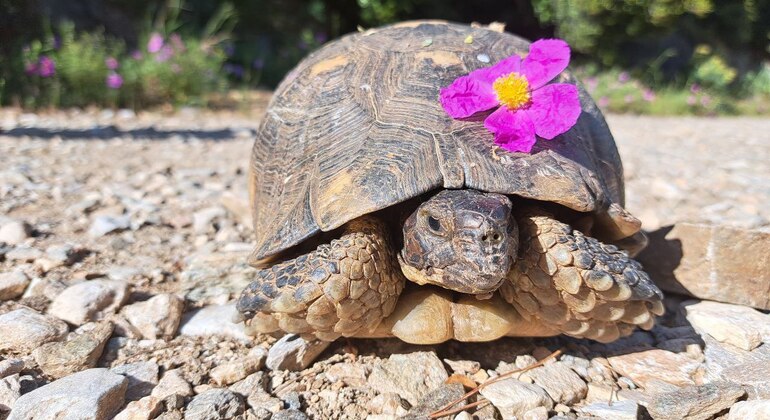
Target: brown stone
656,369
719,263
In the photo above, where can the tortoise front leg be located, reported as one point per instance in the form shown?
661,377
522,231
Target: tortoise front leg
577,284
342,288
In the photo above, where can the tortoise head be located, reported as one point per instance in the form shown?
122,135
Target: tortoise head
462,240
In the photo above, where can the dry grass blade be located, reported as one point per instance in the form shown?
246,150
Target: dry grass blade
445,410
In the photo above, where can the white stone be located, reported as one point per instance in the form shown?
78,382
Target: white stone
12,284
157,317
214,320
142,378
172,383
619,410
103,225
293,352
741,326
144,409
23,330
750,410
233,371
92,393
10,391
14,232
9,367
89,300
562,383
203,219
514,398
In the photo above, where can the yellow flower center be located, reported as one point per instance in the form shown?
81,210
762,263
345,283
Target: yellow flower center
512,90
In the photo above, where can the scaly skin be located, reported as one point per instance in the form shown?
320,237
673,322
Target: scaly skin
343,288
577,284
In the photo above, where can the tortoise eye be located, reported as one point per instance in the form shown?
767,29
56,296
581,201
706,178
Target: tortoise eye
434,224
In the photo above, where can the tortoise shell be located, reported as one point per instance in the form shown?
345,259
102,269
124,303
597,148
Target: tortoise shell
357,127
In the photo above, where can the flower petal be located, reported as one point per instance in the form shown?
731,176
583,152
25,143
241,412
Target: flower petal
467,96
503,67
555,109
514,131
546,59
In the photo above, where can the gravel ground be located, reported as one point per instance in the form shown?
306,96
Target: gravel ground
123,241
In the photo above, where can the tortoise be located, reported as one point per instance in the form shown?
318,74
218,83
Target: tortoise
377,215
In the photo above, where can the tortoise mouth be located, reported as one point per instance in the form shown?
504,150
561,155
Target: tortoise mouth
467,282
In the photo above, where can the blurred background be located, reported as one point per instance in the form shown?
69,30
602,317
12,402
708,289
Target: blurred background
670,57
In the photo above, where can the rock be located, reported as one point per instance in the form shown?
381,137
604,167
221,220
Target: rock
9,367
89,300
93,393
142,378
695,402
172,383
214,320
203,219
655,369
12,284
233,371
560,382
14,232
23,330
214,404
103,225
719,263
289,414
145,409
434,400
23,254
261,400
618,410
740,326
158,317
463,366
10,391
351,374
537,413
293,352
81,351
249,385
513,398
387,403
750,410
753,375
410,375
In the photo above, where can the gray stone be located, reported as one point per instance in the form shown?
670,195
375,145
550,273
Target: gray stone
410,375
93,393
617,410
10,391
740,326
514,398
142,378
562,383
434,400
81,351
103,225
172,383
23,330
748,410
214,320
158,317
289,414
23,254
9,367
89,300
14,232
293,352
719,263
695,402
12,284
214,404
250,384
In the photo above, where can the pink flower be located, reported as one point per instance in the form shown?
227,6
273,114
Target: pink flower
136,55
604,102
164,54
111,63
623,77
114,81
155,43
648,95
526,104
46,67
30,69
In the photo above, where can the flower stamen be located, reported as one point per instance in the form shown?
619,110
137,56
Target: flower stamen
512,90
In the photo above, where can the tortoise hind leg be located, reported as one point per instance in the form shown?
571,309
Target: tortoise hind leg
340,289
575,283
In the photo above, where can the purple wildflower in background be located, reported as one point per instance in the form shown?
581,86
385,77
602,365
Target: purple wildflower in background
30,69
623,77
258,64
176,42
155,43
321,37
136,55
111,63
691,100
56,42
235,69
229,49
47,67
694,88
114,81
705,100
604,102
164,54
648,95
